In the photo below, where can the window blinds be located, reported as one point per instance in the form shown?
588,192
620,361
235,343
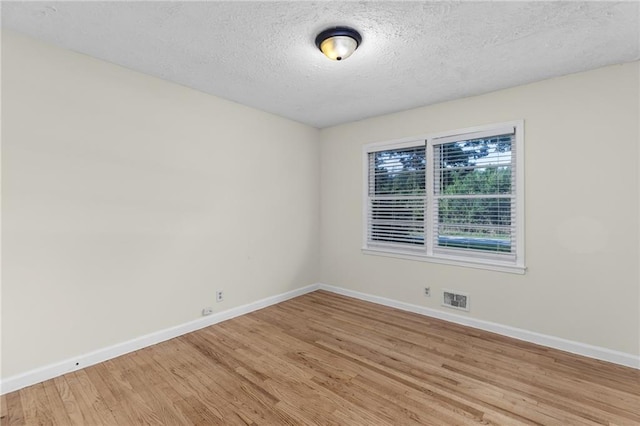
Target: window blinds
474,197
396,197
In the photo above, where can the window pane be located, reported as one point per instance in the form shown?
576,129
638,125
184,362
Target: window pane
473,191
475,223
478,166
400,171
397,193
483,181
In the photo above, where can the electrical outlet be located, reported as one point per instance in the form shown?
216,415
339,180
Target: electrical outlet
219,296
427,291
207,311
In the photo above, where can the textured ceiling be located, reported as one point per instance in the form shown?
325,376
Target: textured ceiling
262,54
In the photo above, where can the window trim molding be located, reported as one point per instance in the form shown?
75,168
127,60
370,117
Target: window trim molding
516,267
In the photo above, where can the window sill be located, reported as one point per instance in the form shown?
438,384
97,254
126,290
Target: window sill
477,264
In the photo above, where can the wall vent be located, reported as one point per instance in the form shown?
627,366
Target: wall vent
455,300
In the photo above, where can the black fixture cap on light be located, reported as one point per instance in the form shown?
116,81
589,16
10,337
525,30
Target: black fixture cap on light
338,43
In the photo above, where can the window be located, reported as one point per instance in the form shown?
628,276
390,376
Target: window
452,198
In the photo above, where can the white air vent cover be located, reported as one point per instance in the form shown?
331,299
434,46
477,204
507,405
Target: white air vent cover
455,300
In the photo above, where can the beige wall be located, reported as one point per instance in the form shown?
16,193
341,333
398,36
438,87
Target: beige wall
581,145
128,201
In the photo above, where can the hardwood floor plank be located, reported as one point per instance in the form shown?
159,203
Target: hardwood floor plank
327,359
193,403
128,407
4,413
364,372
58,410
197,411
146,382
223,386
35,406
89,402
378,348
15,415
546,391
73,409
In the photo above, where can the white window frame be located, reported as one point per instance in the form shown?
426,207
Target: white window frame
451,257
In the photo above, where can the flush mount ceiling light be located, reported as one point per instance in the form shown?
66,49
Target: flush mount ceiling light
338,43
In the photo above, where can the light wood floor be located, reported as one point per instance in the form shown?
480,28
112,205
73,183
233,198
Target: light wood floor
331,360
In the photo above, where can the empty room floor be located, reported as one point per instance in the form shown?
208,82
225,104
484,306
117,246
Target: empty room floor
328,359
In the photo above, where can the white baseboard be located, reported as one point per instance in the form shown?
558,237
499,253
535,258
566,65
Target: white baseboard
47,372
604,354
